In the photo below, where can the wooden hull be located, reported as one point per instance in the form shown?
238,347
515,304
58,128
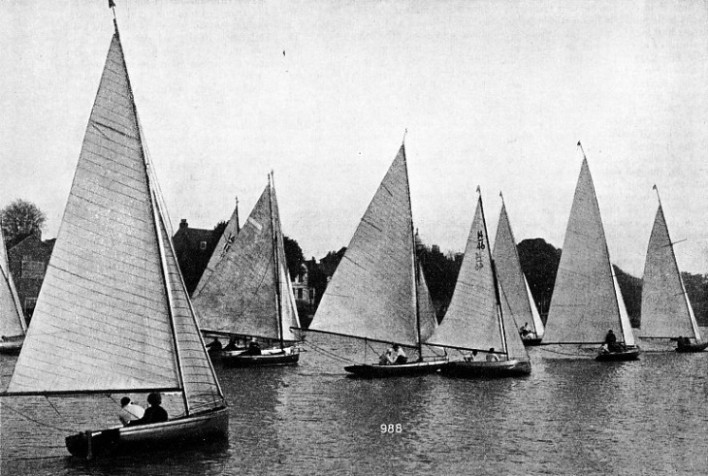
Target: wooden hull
396,370
484,369
628,353
696,347
288,356
11,346
202,428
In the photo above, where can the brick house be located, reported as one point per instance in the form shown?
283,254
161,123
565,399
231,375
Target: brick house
193,247
28,264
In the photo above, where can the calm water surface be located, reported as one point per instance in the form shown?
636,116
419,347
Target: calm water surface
569,417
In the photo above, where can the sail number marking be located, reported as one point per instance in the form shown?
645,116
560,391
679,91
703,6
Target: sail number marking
390,428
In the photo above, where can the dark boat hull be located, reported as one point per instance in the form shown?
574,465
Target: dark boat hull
628,353
11,347
484,369
533,341
697,347
201,428
396,370
238,359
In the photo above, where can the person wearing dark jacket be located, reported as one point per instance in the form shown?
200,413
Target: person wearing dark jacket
155,413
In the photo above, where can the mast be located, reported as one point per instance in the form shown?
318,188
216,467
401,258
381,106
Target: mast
276,264
157,220
494,275
416,278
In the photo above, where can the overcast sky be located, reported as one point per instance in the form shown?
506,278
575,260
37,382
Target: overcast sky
492,93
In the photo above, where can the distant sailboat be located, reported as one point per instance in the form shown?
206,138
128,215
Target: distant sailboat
586,300
479,317
12,319
513,281
666,310
113,315
378,292
246,289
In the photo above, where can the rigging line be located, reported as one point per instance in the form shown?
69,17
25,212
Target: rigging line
53,407
38,422
328,353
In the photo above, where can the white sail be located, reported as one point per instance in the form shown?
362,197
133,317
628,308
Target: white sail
426,310
372,292
113,314
12,319
515,348
472,319
226,241
625,323
584,304
511,277
243,294
666,309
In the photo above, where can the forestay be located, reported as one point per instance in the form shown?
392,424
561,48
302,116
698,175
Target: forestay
511,277
243,294
12,320
584,305
666,310
472,319
113,314
372,294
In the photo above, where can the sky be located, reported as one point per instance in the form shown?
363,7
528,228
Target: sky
495,94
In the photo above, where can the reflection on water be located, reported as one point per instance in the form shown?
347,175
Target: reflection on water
570,416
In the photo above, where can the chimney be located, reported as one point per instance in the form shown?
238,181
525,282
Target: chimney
183,223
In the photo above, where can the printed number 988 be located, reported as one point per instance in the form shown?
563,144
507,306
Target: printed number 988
391,428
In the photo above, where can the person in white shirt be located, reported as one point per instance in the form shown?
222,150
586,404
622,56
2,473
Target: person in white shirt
491,356
129,411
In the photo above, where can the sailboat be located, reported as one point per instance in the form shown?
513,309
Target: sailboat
113,315
587,302
513,281
246,289
378,292
666,310
12,320
479,318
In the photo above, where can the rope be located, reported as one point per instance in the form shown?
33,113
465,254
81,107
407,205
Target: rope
26,417
329,354
570,354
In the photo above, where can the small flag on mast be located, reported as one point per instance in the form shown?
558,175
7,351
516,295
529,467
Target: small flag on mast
111,4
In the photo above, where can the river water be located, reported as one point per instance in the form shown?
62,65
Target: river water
570,417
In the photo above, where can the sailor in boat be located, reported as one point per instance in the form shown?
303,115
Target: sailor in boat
155,413
611,342
683,341
254,348
214,345
130,411
491,356
232,345
526,332
471,357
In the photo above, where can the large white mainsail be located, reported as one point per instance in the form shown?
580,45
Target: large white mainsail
373,293
666,309
511,277
586,301
479,316
12,319
113,315
243,294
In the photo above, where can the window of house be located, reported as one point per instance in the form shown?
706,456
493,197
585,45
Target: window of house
32,269
299,293
30,303
202,245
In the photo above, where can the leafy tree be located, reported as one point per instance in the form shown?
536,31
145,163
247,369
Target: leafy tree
21,219
293,256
